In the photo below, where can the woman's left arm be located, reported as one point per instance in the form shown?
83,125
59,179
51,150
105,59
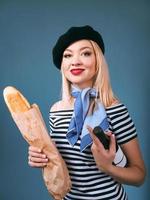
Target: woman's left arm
133,174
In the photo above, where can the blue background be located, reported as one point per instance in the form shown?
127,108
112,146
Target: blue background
28,31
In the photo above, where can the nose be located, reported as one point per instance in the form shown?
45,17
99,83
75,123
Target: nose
75,61
76,64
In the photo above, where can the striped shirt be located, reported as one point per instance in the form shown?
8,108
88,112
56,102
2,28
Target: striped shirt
88,182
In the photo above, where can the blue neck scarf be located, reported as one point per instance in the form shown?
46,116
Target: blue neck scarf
82,116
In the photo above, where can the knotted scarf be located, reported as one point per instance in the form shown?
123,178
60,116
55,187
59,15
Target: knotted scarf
87,111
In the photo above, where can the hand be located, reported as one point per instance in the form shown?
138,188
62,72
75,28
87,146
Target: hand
103,158
36,158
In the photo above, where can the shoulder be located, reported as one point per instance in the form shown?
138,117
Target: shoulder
117,105
119,114
54,107
61,105
117,109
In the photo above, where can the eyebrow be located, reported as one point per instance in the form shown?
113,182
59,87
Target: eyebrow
82,48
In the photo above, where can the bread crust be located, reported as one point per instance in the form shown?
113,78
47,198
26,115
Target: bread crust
15,101
30,122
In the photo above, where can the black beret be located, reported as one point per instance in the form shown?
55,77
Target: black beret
72,35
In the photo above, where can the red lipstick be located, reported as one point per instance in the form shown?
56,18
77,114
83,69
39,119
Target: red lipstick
77,71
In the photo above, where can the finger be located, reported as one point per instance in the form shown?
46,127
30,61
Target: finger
34,149
38,160
108,133
37,155
90,130
39,165
112,146
95,139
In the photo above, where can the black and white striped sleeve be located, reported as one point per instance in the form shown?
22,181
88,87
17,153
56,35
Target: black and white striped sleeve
121,123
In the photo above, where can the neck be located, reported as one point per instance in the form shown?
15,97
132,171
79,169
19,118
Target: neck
73,86
83,85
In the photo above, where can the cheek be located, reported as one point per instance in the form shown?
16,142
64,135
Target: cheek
65,63
90,63
65,71
91,67
64,66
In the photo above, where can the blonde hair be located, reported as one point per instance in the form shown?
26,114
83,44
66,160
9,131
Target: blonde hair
101,82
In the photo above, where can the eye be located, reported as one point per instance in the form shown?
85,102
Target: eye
87,53
67,55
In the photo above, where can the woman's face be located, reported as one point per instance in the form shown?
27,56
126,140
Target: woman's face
79,64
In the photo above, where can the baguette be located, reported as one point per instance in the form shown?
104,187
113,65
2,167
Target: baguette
15,101
29,120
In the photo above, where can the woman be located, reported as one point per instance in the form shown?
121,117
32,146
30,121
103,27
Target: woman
87,101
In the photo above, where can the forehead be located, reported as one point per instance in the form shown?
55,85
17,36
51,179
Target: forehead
80,44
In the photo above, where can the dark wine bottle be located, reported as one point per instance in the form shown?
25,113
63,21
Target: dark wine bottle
104,139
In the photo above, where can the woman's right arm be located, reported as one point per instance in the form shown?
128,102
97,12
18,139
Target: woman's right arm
36,158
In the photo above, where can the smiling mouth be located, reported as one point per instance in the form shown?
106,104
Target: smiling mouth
77,71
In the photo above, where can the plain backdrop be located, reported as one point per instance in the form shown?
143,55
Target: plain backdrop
28,32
